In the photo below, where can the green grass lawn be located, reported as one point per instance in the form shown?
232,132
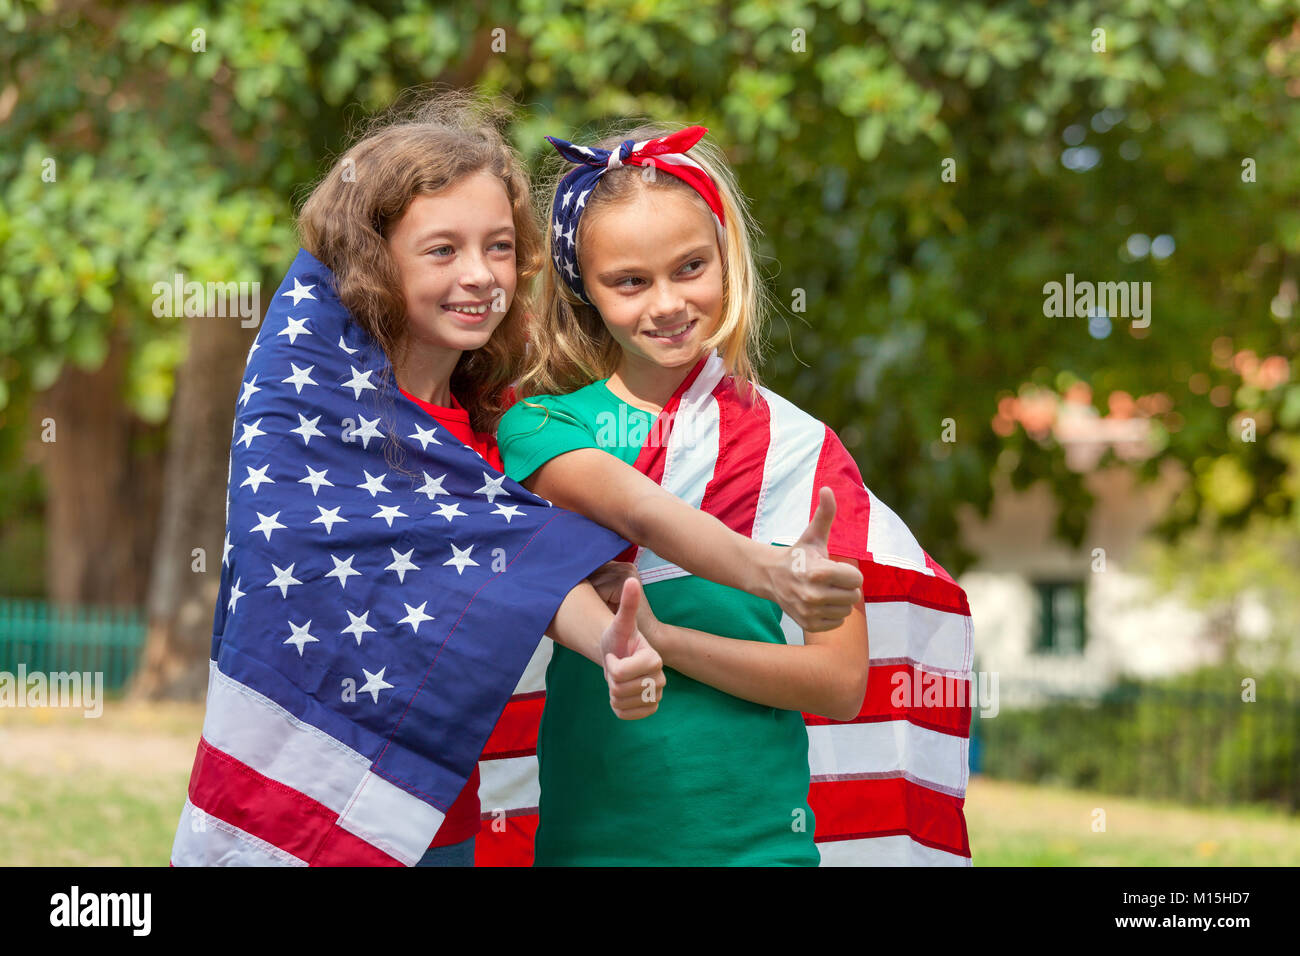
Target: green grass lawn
109,791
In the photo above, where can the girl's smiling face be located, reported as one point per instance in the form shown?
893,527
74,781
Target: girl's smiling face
455,251
653,269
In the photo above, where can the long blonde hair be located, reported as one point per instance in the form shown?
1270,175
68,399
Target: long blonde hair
569,345
423,147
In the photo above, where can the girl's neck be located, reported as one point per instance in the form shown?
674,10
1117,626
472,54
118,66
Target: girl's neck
426,374
645,385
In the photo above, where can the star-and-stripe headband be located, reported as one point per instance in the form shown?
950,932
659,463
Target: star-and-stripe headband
667,153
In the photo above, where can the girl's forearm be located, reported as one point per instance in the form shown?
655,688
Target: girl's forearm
807,678
701,544
580,621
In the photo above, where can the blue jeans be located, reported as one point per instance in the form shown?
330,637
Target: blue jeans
455,854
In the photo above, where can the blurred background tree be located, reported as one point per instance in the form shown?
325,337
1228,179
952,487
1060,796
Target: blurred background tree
182,135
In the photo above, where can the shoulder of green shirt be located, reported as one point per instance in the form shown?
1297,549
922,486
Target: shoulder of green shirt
525,440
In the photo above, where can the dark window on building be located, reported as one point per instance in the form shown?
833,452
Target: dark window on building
1061,626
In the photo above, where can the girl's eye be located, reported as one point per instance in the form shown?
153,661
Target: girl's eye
439,249
625,279
694,262
503,244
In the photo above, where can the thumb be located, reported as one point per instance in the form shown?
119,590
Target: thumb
818,532
623,627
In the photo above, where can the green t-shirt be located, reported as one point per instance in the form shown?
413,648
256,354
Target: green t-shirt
709,779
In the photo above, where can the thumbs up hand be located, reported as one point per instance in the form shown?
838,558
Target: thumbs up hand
634,670
815,590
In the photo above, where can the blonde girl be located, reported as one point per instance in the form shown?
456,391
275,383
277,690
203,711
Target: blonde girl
652,271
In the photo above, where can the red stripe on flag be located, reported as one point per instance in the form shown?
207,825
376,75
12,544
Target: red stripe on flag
515,734
230,790
744,434
903,692
886,582
857,809
512,846
837,470
934,566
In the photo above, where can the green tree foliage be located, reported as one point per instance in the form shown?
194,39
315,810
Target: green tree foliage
182,133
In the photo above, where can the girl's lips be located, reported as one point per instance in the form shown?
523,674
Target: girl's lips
674,339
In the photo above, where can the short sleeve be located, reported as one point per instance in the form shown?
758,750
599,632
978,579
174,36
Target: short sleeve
534,431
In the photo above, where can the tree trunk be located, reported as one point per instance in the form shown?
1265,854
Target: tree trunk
182,599
102,478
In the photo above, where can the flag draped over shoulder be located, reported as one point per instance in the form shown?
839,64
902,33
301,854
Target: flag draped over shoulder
370,624
888,787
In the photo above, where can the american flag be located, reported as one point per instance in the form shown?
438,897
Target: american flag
370,624
887,788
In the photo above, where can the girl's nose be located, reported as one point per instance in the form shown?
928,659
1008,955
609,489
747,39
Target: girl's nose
668,302
476,272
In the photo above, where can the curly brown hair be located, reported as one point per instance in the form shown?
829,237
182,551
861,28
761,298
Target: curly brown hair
427,142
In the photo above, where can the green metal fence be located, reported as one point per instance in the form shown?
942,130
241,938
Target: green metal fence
43,637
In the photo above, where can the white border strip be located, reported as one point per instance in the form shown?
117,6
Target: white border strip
897,850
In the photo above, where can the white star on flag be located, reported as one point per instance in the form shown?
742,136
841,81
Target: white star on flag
257,477
249,389
359,382
374,485
415,616
300,377
358,626
329,517
235,595
294,330
344,347
492,487
374,683
267,524
300,638
449,511
432,487
251,432
460,559
299,291
424,436
367,431
307,429
283,579
316,479
508,511
401,564
343,570
225,550
388,513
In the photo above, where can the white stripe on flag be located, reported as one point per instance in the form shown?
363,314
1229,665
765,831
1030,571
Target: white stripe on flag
257,731
877,748
205,840
789,472
534,676
689,460
509,784
898,850
260,733
901,632
386,816
890,541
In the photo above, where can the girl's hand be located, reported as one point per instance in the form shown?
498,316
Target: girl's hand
608,581
633,669
815,590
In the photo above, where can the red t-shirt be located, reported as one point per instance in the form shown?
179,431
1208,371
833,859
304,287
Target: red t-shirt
464,816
